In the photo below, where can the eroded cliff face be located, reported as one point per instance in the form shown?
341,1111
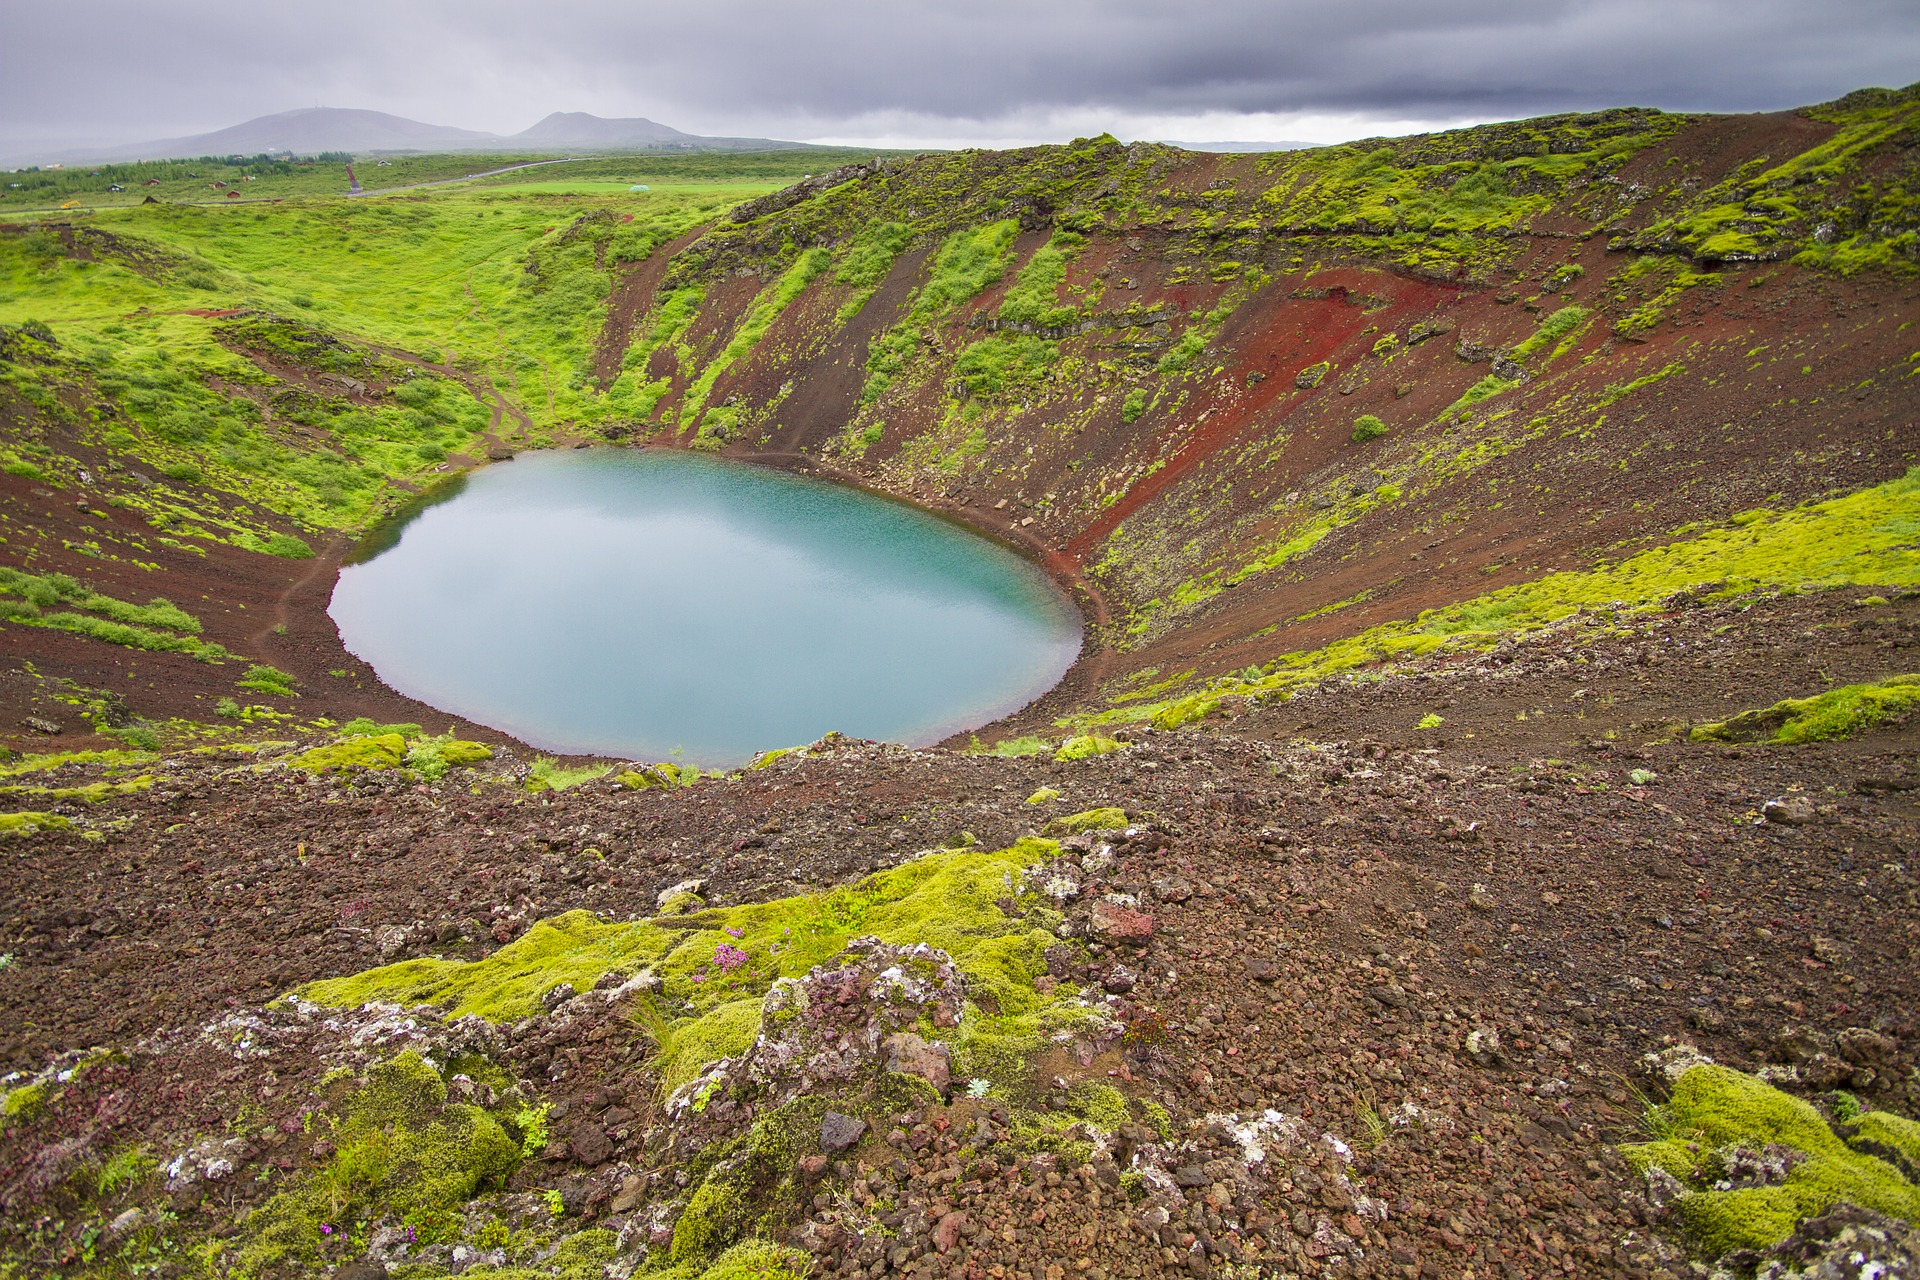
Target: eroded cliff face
1259,402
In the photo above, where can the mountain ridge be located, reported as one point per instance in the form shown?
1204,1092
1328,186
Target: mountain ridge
309,130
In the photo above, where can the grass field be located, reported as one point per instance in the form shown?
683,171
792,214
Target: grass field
222,181
504,281
509,284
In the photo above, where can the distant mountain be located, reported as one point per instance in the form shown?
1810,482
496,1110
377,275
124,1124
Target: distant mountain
578,129
307,130
315,129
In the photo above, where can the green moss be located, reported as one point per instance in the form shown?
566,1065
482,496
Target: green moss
758,1260
1085,745
1837,713
1011,748
28,823
1879,1132
1044,795
269,680
712,1217
1368,427
574,948
720,1033
1134,407
380,751
432,757
1107,819
947,900
400,1148
1715,1109
1552,329
85,793
1872,536
24,1103
869,255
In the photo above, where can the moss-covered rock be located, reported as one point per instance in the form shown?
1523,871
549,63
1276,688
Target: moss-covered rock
401,1150
1721,1139
1837,713
376,751
29,821
1085,745
1105,819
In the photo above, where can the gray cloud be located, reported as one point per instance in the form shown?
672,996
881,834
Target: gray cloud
993,70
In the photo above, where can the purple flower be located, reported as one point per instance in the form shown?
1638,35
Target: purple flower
727,958
699,977
733,932
326,1229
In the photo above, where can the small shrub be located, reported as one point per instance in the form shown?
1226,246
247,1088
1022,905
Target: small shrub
184,472
1367,427
1134,407
261,678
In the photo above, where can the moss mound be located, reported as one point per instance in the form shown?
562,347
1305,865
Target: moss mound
1105,819
1837,713
401,1149
376,751
1716,1112
716,965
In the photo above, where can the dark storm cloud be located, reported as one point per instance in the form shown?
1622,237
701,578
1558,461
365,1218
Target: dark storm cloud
111,70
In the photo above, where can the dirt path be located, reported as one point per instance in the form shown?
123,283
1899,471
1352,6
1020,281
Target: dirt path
448,182
629,303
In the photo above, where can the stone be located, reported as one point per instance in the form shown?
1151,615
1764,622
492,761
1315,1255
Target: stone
38,725
1845,1243
1172,889
1111,922
839,1131
1480,899
632,1191
1866,1047
1831,950
590,1145
364,1269
1789,810
1119,980
1261,969
910,1055
693,888
946,1232
1483,1046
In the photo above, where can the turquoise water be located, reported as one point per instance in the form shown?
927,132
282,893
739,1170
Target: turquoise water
656,604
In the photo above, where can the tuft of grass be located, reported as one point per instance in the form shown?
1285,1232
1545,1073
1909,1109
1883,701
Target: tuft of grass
548,774
1368,427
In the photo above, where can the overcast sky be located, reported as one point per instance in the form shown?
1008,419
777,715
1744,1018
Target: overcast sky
929,72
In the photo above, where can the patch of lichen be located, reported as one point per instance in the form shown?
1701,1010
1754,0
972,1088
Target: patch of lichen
1715,1111
1867,537
401,1151
1837,713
